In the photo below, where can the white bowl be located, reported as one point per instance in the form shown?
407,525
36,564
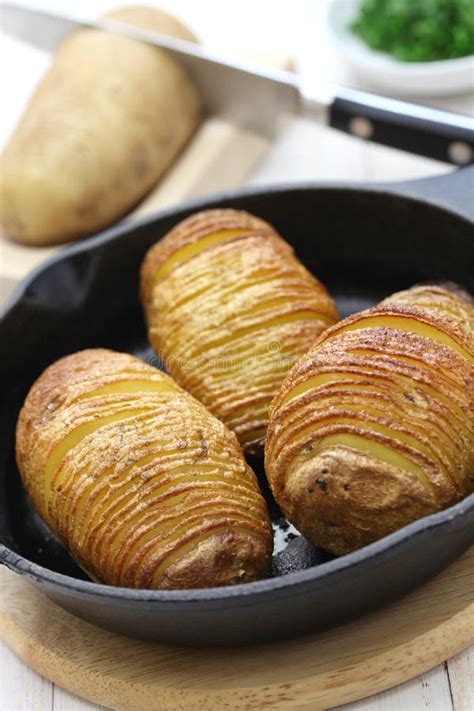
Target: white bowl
440,78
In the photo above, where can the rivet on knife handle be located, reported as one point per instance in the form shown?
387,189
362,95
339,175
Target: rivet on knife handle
418,129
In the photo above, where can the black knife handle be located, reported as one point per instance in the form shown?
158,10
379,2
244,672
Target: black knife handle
418,129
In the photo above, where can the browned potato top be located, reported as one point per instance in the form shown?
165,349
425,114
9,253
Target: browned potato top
142,484
374,426
229,309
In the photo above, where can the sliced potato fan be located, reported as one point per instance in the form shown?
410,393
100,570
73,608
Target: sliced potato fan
229,309
374,426
142,484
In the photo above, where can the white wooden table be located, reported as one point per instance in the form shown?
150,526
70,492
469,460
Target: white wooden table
304,152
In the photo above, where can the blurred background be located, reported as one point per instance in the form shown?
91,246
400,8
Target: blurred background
309,34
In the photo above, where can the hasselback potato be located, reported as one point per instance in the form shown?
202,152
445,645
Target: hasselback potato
105,122
374,426
229,309
139,481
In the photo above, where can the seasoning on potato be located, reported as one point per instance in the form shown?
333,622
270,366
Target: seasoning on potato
139,481
374,427
229,309
108,118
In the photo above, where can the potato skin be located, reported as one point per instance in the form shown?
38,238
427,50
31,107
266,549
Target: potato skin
140,482
230,318
105,122
373,428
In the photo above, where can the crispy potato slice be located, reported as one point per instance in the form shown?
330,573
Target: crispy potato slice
374,426
139,481
230,309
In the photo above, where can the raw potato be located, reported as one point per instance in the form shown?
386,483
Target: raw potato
139,481
374,426
229,310
109,117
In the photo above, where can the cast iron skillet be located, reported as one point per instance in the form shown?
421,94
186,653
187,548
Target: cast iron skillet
364,243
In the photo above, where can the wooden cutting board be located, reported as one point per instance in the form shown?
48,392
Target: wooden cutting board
374,653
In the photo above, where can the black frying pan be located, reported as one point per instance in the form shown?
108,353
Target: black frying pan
364,243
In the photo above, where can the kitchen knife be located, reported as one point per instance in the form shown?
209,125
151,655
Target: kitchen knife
261,99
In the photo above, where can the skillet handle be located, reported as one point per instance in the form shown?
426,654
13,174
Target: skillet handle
429,132
454,191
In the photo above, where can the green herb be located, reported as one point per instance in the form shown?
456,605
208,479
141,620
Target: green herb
417,30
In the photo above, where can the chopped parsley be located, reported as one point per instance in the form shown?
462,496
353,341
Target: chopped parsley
417,30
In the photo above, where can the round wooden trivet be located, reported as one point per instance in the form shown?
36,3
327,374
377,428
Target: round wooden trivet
318,671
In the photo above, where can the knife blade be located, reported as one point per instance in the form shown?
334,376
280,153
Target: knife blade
262,99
